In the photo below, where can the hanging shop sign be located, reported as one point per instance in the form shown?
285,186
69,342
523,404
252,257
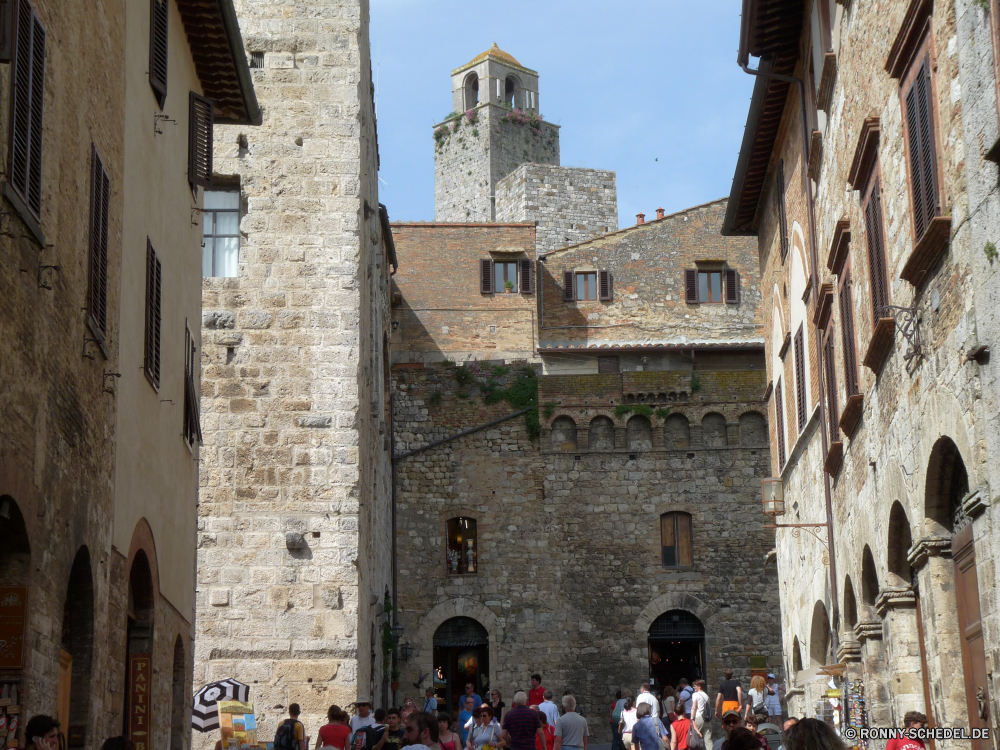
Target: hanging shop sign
13,616
140,717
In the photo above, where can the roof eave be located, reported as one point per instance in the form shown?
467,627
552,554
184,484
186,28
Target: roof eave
254,116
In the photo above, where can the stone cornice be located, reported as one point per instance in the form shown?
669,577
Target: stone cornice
894,596
849,650
976,502
868,629
930,546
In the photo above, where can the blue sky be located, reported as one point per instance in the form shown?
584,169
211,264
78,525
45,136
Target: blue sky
648,89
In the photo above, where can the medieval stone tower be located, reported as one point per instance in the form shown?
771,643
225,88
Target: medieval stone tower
294,531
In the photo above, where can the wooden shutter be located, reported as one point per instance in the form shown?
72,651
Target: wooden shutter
151,363
732,286
200,121
782,215
691,285
604,288
158,15
608,365
876,251
7,30
486,276
684,556
100,195
526,276
847,338
668,540
800,377
192,413
27,99
920,127
829,360
568,295
779,423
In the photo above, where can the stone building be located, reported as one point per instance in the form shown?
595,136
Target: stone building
863,175
616,534
98,415
294,530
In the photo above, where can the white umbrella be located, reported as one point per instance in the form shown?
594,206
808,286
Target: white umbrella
205,714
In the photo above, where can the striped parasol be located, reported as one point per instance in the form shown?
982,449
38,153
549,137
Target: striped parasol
205,714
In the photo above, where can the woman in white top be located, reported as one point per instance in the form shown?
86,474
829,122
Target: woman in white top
486,732
628,721
669,702
756,694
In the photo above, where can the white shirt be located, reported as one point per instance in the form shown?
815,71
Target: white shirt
650,700
698,702
551,711
630,719
357,722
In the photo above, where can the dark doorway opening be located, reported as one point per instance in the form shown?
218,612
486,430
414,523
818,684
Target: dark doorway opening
676,648
138,718
461,655
77,648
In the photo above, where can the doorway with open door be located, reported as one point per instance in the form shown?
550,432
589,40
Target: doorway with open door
461,656
676,646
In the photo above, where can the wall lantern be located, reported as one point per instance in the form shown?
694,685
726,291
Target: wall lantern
774,496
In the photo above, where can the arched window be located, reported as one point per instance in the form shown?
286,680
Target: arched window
564,434
796,655
461,557
899,542
510,91
869,578
471,90
675,536
819,636
850,604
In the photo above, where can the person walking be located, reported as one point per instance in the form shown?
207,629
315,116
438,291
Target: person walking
647,698
548,730
668,703
629,718
773,699
486,733
446,738
572,732
648,730
496,702
755,695
521,725
699,711
430,701
549,708
684,693
616,720
537,693
470,692
680,731
364,718
291,734
465,718
730,696
336,732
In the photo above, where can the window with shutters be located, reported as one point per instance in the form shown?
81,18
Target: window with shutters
526,276
221,233
801,387
462,553
732,283
871,207
485,276
782,215
504,276
159,12
192,416
779,423
200,120
848,341
917,94
830,369
26,105
711,286
586,285
675,540
151,360
97,275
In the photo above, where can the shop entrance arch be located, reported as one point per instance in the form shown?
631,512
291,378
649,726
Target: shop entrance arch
676,648
461,655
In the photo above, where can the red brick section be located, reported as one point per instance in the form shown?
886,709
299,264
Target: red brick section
648,263
744,386
439,307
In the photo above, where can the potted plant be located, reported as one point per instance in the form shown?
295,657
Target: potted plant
395,680
508,286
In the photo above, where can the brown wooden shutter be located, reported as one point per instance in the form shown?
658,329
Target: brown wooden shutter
782,215
800,377
876,252
779,423
151,363
732,286
829,361
200,122
526,276
27,99
7,30
920,124
691,285
568,291
192,412
604,290
684,557
486,276
847,338
100,195
159,12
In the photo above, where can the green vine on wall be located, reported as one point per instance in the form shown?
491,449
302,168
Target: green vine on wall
498,383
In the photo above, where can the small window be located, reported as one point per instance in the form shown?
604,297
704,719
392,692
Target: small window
257,60
158,49
462,553
504,277
586,285
221,254
675,532
710,286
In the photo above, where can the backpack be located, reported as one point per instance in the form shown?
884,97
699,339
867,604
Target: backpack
706,712
616,715
284,738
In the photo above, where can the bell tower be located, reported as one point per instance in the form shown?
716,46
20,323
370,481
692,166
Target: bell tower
494,127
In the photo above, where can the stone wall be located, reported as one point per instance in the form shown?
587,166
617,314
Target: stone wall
471,155
570,575
567,204
293,559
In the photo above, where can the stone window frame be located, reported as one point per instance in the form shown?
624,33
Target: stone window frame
675,516
209,216
462,567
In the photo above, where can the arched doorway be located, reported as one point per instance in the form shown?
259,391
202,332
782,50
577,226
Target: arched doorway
139,657
461,655
676,648
15,570
77,649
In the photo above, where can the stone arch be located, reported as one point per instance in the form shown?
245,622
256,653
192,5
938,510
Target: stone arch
713,430
15,547
602,434
563,434
869,578
898,545
511,89
946,486
753,429
638,433
471,87
850,604
673,600
819,636
423,648
677,431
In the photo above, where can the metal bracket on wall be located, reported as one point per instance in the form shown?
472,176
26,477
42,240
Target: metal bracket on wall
809,528
109,382
194,216
157,119
43,271
907,323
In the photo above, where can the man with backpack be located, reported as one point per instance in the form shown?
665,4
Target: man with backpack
291,735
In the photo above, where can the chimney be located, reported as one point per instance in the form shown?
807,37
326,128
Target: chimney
659,213
640,219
